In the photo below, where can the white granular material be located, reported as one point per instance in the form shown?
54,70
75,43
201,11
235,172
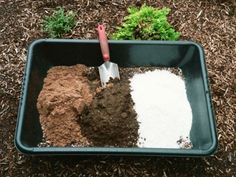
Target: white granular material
163,111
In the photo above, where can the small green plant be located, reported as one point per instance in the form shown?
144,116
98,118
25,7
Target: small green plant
146,23
59,23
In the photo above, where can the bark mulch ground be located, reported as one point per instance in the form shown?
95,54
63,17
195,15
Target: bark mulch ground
209,22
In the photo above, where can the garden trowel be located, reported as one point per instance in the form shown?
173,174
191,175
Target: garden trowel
108,69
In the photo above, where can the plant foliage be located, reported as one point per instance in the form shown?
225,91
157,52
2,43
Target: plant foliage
146,23
59,23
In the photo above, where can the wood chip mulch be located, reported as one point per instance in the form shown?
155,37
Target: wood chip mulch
209,22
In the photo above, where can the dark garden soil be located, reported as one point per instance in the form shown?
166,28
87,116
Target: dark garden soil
209,22
110,120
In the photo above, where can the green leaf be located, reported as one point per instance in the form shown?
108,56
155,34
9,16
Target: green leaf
59,23
146,23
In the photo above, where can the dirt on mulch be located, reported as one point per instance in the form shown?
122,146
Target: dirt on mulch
212,23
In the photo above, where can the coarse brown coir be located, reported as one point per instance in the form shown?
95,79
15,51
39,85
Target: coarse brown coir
63,97
76,111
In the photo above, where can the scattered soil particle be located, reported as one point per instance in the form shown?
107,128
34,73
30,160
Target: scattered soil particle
64,95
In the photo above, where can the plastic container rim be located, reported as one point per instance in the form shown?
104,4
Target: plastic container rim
106,150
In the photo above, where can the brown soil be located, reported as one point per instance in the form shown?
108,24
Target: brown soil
111,120
64,95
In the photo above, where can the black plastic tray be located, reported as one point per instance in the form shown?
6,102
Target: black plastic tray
189,56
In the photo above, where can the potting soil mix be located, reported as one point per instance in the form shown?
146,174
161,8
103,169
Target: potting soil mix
142,109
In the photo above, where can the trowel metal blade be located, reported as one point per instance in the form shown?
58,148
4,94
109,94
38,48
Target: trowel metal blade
108,70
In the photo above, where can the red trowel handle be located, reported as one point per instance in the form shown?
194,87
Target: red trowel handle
103,42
